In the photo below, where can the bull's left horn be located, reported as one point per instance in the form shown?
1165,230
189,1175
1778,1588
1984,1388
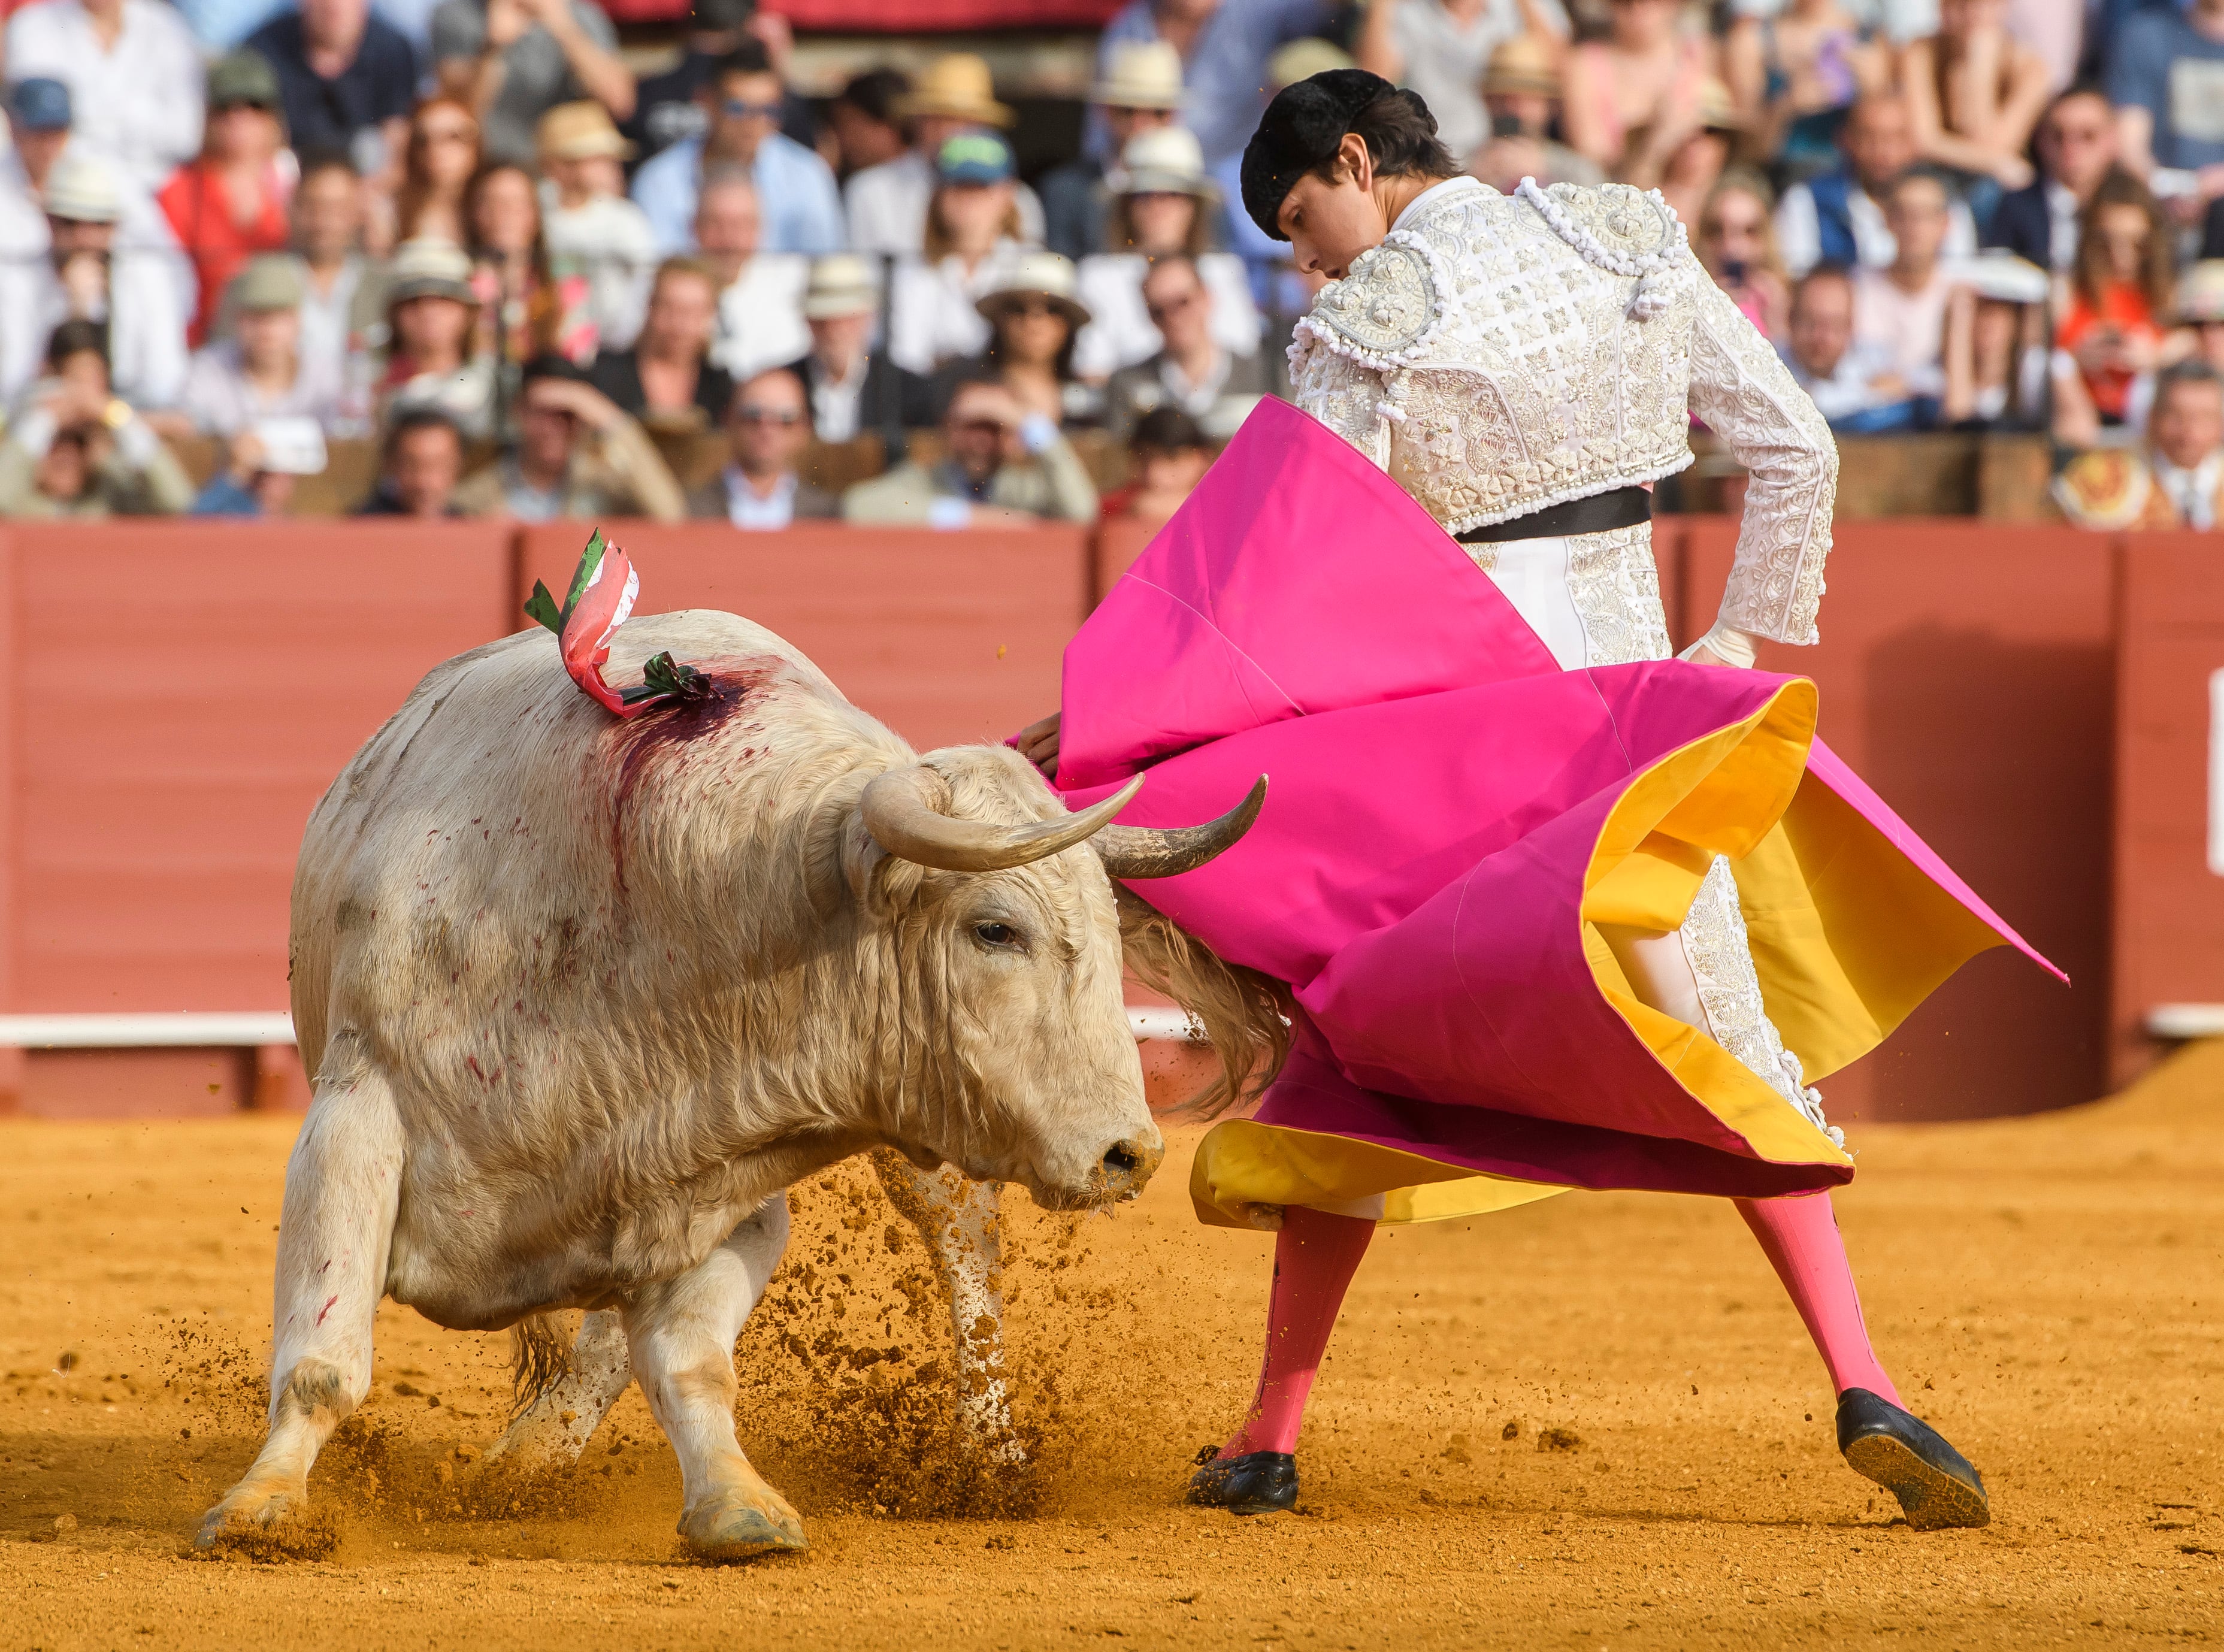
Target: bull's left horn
899,813
1155,851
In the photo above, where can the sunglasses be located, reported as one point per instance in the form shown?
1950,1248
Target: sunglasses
751,413
740,111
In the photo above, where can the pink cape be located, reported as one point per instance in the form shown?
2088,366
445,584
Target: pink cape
1438,790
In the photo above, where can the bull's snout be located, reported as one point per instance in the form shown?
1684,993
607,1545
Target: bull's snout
1128,1165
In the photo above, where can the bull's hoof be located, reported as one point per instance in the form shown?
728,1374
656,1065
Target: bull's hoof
733,1529
267,1525
1257,1483
1935,1484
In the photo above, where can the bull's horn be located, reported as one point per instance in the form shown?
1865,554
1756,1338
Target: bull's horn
900,815
1153,851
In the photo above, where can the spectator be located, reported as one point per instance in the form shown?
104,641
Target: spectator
1799,72
866,119
1001,471
527,308
1839,216
742,105
261,464
1996,361
760,293
1687,169
432,309
230,203
1974,92
1226,46
2201,313
1167,457
666,377
260,373
342,295
1441,47
87,275
1522,92
1634,96
2175,481
973,238
2077,148
1192,371
347,80
1033,320
768,429
79,450
442,159
419,464
1141,90
1852,385
1736,242
852,388
2166,80
887,204
38,131
134,75
510,61
2111,334
592,228
669,108
1162,205
1900,311
576,455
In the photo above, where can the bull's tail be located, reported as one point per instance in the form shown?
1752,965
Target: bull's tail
540,1358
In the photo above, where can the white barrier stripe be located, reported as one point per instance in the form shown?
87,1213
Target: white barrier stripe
201,1030
2186,1021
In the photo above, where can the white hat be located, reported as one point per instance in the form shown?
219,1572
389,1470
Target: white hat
81,189
1141,75
1167,159
2200,293
1998,275
291,446
1036,274
841,284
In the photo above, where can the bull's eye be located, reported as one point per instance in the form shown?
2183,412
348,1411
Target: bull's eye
996,934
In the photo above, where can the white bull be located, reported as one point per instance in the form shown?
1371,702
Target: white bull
582,999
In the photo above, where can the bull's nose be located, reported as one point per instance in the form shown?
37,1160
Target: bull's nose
1130,1163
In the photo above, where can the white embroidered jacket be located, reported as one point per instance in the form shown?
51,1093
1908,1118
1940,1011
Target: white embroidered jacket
1497,354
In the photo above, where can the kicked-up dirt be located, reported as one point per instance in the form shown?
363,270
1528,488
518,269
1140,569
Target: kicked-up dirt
1591,1423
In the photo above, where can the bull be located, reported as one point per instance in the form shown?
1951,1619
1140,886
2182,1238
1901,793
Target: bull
583,998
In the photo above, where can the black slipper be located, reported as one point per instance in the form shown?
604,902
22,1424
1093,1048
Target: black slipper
1257,1483
1935,1484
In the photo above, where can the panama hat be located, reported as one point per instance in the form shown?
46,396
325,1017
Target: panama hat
1036,274
841,284
957,84
1141,75
271,280
2200,293
1301,59
1718,110
1524,64
1998,275
1167,159
80,189
429,269
580,131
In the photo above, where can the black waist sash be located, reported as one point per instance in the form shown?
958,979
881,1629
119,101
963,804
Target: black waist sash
1621,508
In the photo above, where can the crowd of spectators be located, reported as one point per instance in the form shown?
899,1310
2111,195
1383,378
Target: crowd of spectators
468,236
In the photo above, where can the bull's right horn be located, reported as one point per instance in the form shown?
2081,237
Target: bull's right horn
1159,851
899,813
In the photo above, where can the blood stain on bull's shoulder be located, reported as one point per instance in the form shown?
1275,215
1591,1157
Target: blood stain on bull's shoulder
660,736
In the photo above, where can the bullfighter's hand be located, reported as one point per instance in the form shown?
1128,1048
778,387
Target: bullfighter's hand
1038,745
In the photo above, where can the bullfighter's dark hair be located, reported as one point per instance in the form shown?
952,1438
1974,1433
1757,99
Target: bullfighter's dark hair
1305,125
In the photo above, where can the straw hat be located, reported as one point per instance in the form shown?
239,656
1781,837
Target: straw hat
1142,74
1524,64
2200,293
1998,275
956,84
1718,110
580,131
1167,159
1301,59
841,284
1035,275
271,280
429,269
80,189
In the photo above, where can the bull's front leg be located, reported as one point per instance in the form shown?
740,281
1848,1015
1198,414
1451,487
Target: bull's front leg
551,1431
962,1223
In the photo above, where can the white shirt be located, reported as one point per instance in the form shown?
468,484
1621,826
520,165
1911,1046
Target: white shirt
2194,491
1907,329
146,315
2061,226
834,402
221,400
607,239
931,315
760,316
746,509
1850,388
886,204
1120,333
24,232
1799,233
138,105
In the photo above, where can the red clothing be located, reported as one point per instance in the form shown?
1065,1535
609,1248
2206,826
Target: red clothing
2124,307
195,203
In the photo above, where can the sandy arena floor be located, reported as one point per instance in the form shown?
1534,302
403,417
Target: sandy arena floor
2048,1291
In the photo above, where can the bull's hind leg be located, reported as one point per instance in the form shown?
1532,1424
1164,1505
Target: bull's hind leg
963,1225
342,1185
555,1428
681,1334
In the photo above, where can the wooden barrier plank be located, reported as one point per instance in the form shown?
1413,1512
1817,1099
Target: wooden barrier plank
2168,944
946,637
179,696
1965,672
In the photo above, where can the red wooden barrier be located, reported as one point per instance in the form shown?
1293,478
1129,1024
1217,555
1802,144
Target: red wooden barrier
1965,672
2169,895
946,638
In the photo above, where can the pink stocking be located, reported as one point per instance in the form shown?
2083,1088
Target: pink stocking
1315,1256
1800,1235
